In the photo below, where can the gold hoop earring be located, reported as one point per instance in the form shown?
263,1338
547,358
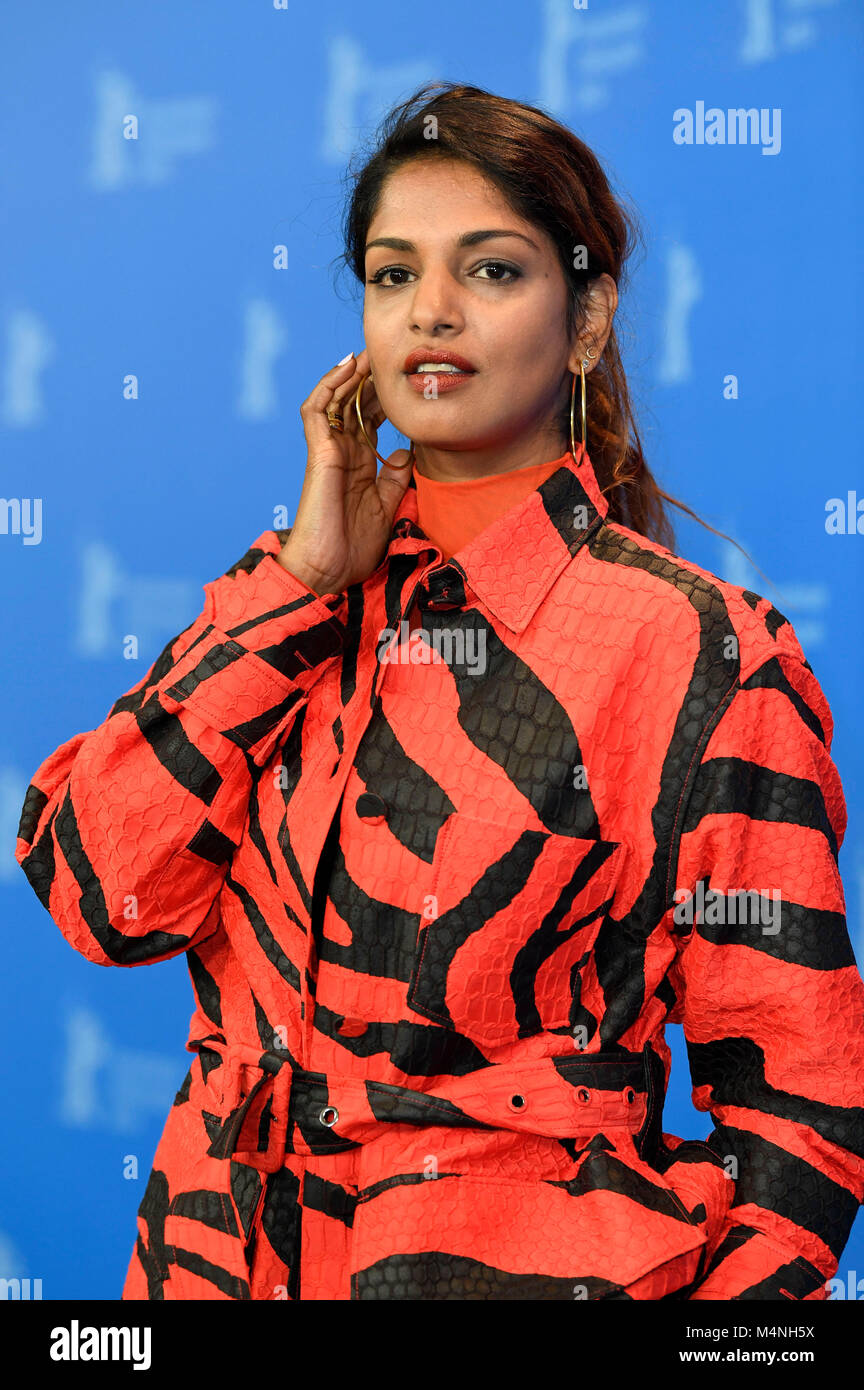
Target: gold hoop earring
411,456
582,365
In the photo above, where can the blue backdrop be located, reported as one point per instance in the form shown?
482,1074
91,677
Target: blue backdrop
153,261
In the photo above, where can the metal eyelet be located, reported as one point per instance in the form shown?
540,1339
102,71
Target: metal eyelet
629,1095
583,1094
517,1103
329,1115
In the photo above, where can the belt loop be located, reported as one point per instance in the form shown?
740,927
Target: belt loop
223,1146
647,1140
226,1145
272,1158
229,1077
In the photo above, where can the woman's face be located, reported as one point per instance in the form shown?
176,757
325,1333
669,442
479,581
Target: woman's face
499,302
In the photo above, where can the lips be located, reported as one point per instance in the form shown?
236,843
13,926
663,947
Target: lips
420,356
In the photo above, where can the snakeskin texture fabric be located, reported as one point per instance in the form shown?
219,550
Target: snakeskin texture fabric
445,852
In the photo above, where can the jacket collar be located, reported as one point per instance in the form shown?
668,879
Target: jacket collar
513,563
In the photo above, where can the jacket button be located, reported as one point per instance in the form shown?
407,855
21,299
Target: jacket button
371,808
583,1094
352,1027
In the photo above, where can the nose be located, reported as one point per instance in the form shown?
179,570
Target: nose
435,301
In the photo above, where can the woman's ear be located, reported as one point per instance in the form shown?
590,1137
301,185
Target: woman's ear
599,311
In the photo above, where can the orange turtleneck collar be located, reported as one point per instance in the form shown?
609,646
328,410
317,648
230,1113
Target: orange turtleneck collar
452,513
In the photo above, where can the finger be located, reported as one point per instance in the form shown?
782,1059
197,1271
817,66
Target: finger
313,411
322,394
350,383
343,398
373,415
347,388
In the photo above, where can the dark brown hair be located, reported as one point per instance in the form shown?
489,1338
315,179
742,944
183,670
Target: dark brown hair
552,179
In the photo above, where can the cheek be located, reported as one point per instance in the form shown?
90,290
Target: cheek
381,340
527,369
523,343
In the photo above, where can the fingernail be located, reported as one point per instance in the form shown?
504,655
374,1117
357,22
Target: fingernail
343,360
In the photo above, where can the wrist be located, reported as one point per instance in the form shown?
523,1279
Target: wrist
318,583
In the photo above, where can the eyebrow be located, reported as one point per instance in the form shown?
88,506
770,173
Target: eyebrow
397,243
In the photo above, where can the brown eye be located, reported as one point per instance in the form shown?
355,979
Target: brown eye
510,270
378,277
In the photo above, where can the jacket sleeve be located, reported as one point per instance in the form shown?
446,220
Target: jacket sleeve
127,830
768,991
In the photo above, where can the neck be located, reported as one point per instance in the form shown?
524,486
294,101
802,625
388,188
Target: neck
447,465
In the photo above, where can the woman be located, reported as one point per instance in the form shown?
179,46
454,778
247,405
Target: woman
458,790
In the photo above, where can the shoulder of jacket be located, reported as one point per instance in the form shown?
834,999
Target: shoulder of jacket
688,590
267,543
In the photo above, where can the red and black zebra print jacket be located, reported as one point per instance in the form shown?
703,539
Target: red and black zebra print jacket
445,852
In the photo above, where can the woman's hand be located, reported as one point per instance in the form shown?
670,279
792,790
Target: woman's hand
346,508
